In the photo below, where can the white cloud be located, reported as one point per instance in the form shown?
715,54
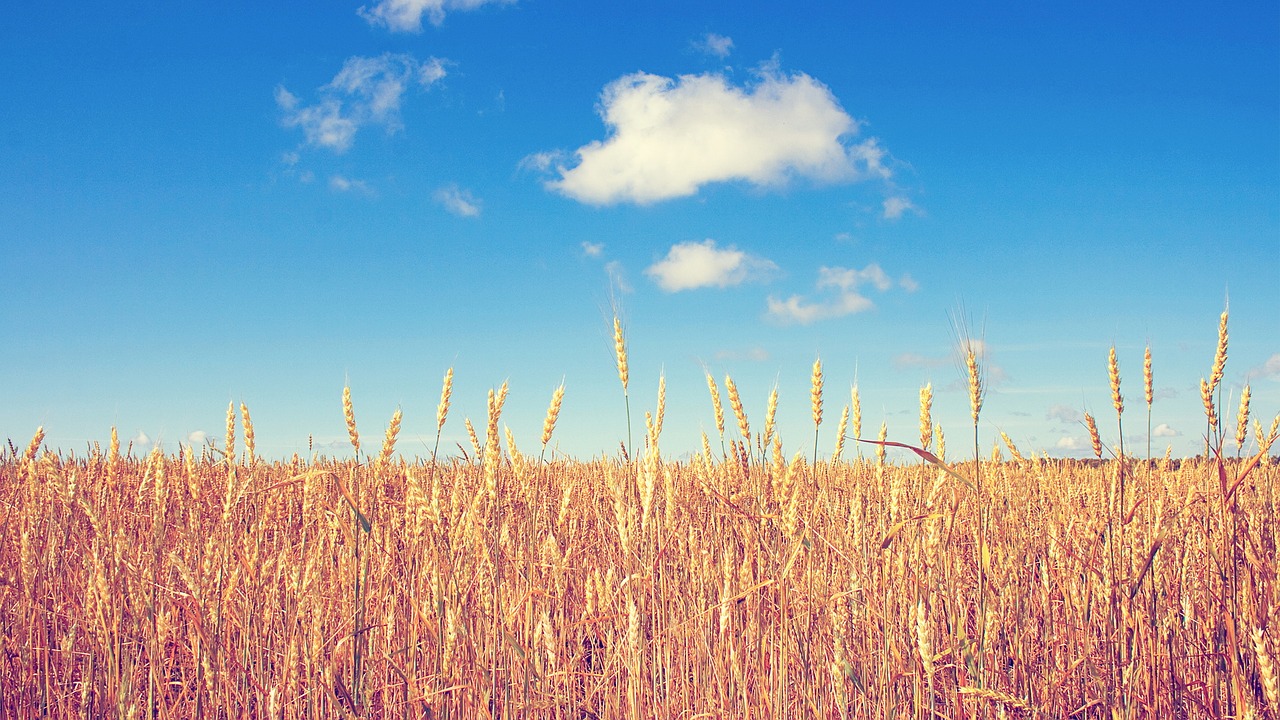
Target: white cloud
593,250
844,297
366,91
339,183
406,15
197,437
1071,443
457,201
895,206
1269,369
908,283
714,44
691,265
669,137
141,439
1163,430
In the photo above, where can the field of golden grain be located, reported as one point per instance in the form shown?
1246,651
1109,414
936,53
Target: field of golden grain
744,582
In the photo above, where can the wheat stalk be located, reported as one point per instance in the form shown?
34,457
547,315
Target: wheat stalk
348,412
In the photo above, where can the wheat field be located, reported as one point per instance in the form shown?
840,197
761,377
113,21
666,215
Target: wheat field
748,581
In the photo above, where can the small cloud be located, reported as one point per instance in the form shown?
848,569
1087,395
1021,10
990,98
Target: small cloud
670,136
842,287
339,183
197,437
1269,369
1064,414
457,201
717,45
755,354
406,15
908,283
895,206
592,250
540,162
1071,443
692,265
289,159
366,91
1163,430
844,237
141,439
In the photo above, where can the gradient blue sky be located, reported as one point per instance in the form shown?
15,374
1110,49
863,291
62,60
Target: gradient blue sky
261,202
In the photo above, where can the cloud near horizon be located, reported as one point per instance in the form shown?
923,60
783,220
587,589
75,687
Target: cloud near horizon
366,91
671,136
691,265
406,15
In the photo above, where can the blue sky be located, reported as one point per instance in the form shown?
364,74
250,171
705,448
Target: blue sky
260,204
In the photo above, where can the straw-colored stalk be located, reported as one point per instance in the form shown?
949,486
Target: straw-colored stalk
884,435
771,411
1147,387
348,412
735,401
661,409
1219,354
855,415
926,416
620,351
716,405
1206,397
1094,438
620,354
553,413
442,410
1013,449
1266,671
815,402
248,435
389,442
230,447
1242,419
471,435
840,431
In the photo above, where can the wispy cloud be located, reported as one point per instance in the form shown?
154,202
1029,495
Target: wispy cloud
754,354
341,183
895,206
716,45
691,265
1163,430
1064,414
670,136
841,290
592,250
458,201
406,15
366,91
